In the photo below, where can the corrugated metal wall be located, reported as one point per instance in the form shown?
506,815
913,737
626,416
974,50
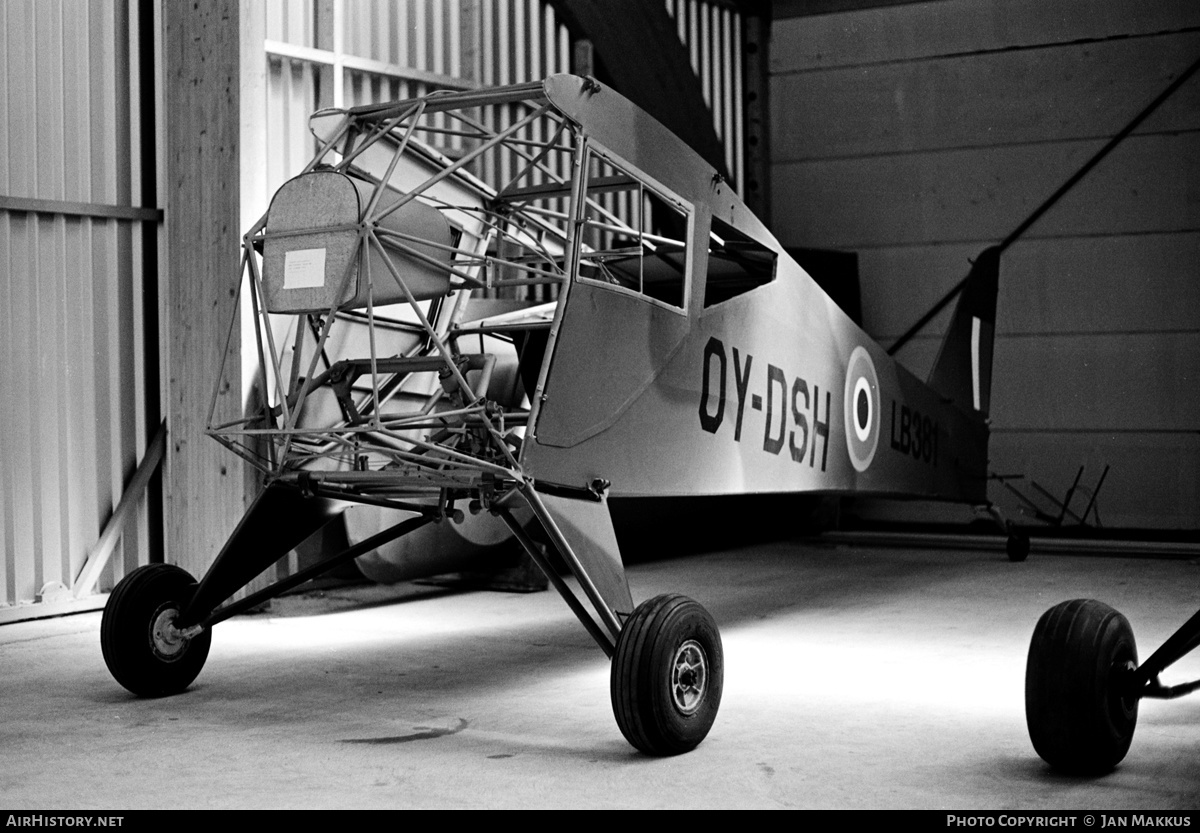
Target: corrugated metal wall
918,134
343,54
72,281
712,32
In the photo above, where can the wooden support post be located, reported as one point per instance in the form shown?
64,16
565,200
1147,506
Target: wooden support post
205,493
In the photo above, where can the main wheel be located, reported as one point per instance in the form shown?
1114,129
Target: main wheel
143,649
1079,708
667,675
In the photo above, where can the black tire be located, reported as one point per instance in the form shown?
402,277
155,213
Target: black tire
1079,709
1017,546
667,675
140,649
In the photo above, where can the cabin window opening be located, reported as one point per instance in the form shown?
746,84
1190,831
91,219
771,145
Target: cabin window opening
737,263
634,236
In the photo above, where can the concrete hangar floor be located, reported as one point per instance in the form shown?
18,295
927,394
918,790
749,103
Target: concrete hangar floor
856,677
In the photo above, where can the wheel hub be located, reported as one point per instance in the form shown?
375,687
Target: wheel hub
689,676
1125,696
168,641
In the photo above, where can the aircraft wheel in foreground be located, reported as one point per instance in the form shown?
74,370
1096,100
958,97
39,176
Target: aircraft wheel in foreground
667,675
1017,546
1078,708
142,648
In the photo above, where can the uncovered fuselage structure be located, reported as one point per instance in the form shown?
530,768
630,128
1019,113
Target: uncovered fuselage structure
676,350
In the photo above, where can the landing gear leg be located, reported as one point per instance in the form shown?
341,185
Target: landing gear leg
667,668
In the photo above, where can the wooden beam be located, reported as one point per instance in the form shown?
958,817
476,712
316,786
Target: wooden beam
204,484
80,209
97,559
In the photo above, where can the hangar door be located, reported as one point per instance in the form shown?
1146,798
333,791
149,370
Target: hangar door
78,297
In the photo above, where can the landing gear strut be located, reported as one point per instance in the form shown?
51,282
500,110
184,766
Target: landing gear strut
1083,684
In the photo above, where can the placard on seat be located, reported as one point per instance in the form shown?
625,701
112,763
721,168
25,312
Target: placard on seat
312,249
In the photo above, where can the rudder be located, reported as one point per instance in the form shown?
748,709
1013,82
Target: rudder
963,368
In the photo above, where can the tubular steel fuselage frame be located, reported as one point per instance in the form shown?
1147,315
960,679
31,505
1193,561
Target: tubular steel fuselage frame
638,378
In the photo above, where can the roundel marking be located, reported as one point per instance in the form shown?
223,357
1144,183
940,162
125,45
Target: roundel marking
863,412
861,409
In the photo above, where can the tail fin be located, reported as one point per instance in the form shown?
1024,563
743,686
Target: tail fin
963,368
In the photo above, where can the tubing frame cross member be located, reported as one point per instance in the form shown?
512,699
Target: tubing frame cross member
415,426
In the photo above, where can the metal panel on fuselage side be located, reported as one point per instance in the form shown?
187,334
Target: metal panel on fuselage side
754,400
613,346
754,396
